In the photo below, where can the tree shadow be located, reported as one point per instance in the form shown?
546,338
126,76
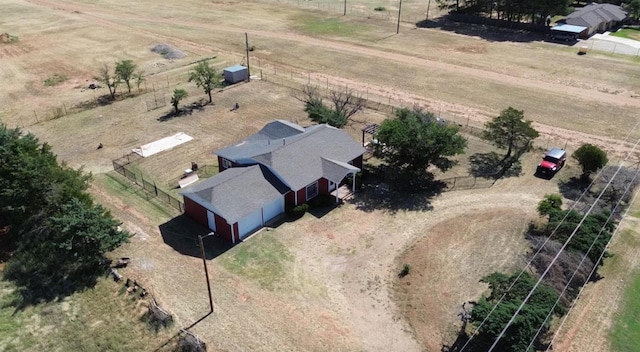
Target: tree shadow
573,187
181,233
384,189
488,165
185,110
485,31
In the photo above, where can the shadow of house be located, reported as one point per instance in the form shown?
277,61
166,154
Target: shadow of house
181,234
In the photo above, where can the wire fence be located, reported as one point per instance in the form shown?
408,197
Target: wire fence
149,186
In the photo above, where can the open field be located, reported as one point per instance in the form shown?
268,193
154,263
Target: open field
326,282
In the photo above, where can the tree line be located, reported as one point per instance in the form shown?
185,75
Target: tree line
533,11
54,236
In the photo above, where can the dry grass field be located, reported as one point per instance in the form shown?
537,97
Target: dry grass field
327,282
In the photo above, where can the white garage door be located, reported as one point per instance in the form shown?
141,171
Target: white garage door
250,223
211,220
273,209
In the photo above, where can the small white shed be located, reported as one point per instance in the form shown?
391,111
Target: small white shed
235,74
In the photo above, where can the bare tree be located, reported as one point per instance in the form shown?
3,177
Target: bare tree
109,80
345,104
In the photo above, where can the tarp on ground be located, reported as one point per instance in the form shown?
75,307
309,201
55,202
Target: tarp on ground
162,144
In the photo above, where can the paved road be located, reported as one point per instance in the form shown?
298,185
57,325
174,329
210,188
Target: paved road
611,44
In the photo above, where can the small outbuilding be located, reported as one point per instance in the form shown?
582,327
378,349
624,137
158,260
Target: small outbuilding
567,32
235,74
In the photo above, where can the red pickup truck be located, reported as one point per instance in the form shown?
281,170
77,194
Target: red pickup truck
552,161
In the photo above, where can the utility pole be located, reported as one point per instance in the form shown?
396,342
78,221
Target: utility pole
427,17
246,37
399,12
206,272
345,8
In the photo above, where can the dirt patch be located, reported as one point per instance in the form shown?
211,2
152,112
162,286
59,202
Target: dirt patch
455,255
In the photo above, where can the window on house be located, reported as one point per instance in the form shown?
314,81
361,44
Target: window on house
312,190
226,164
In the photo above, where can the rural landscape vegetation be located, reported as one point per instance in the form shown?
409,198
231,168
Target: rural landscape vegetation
454,240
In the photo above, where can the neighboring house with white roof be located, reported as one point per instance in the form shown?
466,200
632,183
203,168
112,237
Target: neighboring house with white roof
282,163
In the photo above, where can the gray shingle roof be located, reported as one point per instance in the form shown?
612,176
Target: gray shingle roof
270,137
237,192
594,14
299,162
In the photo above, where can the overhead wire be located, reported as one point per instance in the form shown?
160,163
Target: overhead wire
592,272
583,259
586,190
535,286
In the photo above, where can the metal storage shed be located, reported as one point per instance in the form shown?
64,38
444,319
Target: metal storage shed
235,74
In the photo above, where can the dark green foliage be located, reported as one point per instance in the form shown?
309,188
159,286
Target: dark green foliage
594,226
414,140
550,204
125,71
299,211
510,131
178,95
526,324
591,158
406,270
57,237
534,11
205,77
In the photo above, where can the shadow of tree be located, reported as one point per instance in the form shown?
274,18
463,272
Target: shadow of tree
384,189
487,32
185,110
488,165
573,187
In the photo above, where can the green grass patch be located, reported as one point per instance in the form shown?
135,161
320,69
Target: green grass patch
629,33
328,26
624,334
97,319
135,197
55,80
263,259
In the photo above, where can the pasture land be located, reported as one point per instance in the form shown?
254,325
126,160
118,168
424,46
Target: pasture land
334,285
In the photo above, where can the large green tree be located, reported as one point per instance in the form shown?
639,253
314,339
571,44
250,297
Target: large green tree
413,140
524,328
205,77
56,235
591,158
125,71
510,131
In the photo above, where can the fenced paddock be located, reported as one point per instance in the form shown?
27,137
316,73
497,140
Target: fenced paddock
122,166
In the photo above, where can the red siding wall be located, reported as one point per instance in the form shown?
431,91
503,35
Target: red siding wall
195,211
222,228
357,162
302,195
323,186
290,197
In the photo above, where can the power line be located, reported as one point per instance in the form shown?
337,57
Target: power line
513,317
591,274
475,332
584,257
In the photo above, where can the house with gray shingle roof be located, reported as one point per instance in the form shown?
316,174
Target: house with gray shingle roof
283,163
596,17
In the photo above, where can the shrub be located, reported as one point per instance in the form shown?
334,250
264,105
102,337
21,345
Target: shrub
55,80
299,210
405,270
380,8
